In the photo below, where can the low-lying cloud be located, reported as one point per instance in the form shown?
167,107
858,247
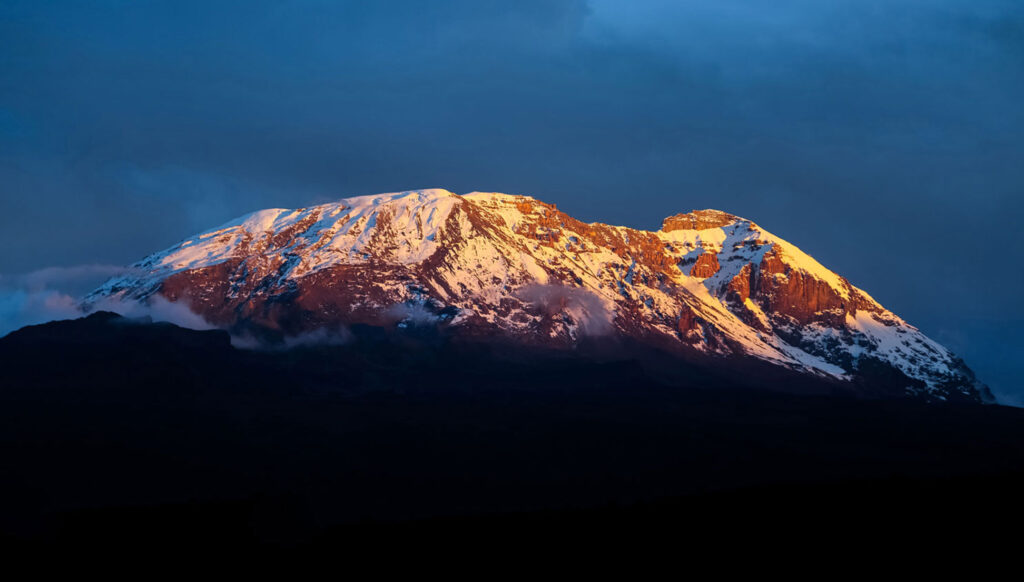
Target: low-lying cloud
53,293
589,311
318,337
19,308
415,313
157,308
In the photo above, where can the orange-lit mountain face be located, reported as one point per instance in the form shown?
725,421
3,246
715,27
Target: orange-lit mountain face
487,265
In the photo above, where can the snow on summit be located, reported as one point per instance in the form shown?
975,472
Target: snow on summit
491,264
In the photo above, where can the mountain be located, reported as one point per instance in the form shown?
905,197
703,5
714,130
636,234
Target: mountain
486,266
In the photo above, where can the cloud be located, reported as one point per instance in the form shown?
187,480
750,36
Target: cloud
74,277
54,293
157,308
412,313
318,337
588,311
47,294
19,308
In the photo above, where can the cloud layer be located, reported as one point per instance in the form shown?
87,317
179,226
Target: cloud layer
586,309
54,293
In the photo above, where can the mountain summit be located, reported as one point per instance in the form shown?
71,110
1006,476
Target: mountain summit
496,266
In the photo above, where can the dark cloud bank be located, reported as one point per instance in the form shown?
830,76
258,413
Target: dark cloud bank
883,137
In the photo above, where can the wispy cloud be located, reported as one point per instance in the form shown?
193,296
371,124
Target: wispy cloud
54,293
588,310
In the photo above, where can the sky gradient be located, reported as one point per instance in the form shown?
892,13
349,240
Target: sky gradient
883,137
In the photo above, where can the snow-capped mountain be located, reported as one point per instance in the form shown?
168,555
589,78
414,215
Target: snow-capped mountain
499,265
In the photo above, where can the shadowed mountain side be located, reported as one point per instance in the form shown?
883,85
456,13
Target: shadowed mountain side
102,415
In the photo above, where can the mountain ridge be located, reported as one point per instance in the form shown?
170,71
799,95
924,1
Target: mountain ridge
486,264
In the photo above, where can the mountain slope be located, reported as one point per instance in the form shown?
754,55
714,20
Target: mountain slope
487,265
106,416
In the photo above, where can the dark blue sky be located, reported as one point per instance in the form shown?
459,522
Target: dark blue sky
884,137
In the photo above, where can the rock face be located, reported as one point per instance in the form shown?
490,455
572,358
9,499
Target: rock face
498,265
706,266
697,220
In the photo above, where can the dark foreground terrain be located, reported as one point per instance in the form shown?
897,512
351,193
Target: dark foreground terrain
122,434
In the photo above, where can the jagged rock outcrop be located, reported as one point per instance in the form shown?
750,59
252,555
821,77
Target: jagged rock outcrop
705,266
697,220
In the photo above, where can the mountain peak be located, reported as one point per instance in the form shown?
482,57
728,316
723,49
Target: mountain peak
420,195
698,220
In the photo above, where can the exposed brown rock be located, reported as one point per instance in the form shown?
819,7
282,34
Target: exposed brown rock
738,288
287,236
697,220
706,265
205,291
780,289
